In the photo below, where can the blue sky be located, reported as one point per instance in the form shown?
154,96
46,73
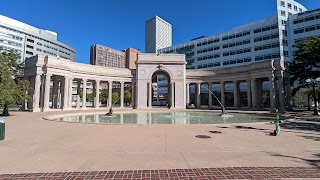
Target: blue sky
120,24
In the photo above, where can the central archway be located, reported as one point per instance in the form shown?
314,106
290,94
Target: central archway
161,96
170,68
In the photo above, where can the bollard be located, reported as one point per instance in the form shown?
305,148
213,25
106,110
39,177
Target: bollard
2,128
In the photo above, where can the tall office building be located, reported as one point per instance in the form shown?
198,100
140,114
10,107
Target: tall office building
158,34
29,41
270,38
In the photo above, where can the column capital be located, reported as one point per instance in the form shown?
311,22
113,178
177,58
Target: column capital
110,82
84,79
235,81
209,82
198,83
121,82
248,80
97,80
222,82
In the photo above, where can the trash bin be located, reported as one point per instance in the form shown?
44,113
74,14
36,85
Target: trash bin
2,127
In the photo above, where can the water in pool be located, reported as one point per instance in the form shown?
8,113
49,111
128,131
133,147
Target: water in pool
167,118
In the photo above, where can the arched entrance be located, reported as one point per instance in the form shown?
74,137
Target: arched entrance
171,67
161,89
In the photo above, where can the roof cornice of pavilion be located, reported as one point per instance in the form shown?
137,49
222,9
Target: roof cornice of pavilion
54,63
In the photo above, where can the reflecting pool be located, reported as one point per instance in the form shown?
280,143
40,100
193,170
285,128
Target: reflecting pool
167,118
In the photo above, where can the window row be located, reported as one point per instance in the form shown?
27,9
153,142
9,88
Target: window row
267,46
289,5
203,66
48,52
8,35
208,49
12,43
184,49
267,57
10,49
307,29
267,28
208,42
240,51
237,61
14,30
267,37
239,43
306,19
246,33
50,47
208,57
64,52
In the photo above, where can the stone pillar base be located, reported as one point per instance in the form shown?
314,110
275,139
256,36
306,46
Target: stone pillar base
36,110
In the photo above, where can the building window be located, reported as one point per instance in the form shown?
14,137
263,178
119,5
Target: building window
300,10
30,40
284,22
283,4
28,52
286,53
289,6
295,8
30,47
285,42
283,13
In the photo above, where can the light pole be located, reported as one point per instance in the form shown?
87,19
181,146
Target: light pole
313,83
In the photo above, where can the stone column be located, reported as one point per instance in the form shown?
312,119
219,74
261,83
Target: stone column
149,94
46,97
36,93
121,94
254,93
84,93
288,97
198,95
78,93
249,94
281,95
187,94
210,95
172,95
65,104
31,92
223,96
272,94
70,92
97,94
109,94
236,94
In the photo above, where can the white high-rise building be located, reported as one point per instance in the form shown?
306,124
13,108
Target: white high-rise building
29,41
158,34
270,38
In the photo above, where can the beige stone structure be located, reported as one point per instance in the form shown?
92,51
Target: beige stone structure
42,71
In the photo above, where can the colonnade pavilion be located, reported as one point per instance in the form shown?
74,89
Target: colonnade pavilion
53,78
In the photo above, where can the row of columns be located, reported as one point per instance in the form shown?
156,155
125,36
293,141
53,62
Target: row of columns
254,93
62,92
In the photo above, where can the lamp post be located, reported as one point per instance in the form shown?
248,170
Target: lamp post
313,83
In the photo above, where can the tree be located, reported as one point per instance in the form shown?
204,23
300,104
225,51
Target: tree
103,96
115,97
13,89
127,97
89,97
306,60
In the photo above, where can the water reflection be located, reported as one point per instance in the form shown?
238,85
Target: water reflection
167,118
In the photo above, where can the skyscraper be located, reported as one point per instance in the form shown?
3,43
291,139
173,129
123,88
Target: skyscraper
158,34
29,41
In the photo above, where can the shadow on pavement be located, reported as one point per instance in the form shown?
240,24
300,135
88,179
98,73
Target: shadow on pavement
313,162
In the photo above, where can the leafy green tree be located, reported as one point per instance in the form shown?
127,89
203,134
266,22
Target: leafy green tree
115,97
13,89
89,97
103,96
305,64
127,97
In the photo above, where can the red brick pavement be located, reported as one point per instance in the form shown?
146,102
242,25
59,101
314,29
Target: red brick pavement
202,173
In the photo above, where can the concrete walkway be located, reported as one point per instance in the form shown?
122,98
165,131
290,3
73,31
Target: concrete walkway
34,145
